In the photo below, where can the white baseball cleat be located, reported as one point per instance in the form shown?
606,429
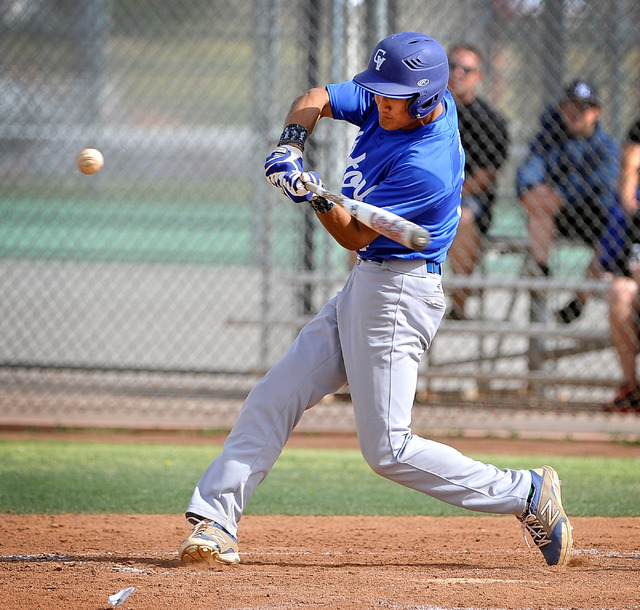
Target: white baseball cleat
209,541
545,519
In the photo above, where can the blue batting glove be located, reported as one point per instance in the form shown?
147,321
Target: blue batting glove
293,185
282,160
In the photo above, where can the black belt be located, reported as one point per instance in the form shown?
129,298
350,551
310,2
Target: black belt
429,266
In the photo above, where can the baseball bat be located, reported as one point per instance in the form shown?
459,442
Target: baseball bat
383,221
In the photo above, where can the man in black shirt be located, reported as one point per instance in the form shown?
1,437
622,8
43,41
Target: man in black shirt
486,143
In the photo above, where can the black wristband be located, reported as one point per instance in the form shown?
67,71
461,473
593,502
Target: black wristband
321,205
295,135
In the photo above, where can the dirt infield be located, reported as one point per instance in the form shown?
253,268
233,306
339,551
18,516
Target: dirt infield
78,561
315,562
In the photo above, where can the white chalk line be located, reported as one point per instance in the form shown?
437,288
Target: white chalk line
78,557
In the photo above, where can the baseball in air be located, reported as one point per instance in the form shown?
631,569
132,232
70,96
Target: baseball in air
90,161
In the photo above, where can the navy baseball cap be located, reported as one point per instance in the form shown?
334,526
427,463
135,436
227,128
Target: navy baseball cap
582,90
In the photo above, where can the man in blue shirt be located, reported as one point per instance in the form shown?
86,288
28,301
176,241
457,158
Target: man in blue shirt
567,182
406,157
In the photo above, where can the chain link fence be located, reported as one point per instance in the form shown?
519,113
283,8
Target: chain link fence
157,291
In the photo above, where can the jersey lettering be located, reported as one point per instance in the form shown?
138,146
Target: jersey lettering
354,179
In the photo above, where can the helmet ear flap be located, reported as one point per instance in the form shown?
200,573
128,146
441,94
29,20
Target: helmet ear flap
411,103
420,106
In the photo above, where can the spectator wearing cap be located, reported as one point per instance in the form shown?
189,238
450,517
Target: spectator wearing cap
485,140
567,182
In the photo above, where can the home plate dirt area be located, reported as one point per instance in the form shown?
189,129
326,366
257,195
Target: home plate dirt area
78,561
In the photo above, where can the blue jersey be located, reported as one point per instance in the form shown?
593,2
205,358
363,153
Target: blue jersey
417,173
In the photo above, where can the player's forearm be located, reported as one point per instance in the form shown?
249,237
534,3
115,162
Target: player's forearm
309,108
346,230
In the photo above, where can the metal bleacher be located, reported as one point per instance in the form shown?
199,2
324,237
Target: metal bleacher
513,345
511,349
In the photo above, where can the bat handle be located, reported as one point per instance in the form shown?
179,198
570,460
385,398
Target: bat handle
311,186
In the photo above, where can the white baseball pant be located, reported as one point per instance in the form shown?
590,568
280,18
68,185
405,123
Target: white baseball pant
372,335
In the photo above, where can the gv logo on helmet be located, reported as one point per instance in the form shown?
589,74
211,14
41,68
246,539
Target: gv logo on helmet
379,58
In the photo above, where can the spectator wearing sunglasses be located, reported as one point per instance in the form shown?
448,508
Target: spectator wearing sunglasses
485,139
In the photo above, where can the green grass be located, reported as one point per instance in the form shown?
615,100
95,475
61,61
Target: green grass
183,223
82,477
187,232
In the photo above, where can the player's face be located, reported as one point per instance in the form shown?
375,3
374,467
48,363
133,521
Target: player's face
580,118
393,114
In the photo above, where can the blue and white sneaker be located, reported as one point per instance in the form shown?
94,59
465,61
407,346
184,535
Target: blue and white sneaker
545,519
209,541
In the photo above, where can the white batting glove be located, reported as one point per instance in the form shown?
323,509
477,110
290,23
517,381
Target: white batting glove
282,160
293,185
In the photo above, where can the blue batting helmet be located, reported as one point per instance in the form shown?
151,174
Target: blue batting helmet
408,65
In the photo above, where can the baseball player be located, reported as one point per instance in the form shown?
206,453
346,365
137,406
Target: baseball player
406,157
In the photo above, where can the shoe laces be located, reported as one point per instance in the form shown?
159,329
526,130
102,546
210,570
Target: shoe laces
201,525
531,523
197,526
217,532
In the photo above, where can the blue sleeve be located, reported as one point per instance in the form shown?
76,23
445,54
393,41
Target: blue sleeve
350,102
533,169
606,172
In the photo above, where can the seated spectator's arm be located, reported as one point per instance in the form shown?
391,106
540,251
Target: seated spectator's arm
603,178
629,170
478,182
531,172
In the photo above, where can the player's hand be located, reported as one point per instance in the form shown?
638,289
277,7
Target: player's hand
293,186
282,160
